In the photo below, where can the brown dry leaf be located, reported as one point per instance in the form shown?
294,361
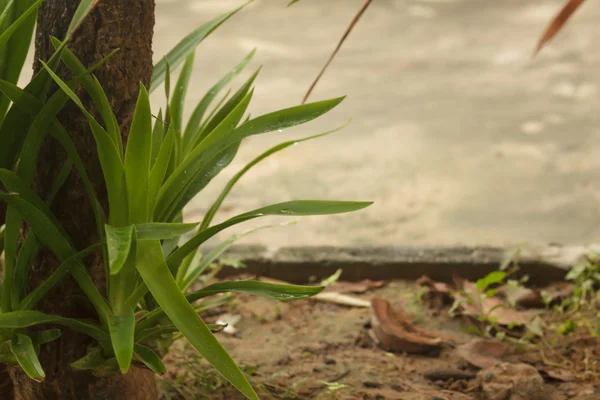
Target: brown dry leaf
522,296
558,22
561,375
475,305
394,331
354,287
482,353
437,287
558,291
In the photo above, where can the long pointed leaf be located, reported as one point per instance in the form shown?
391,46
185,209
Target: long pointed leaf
24,351
118,241
217,204
150,359
52,237
82,11
190,274
179,94
14,44
262,289
38,293
202,157
137,159
122,329
110,160
291,208
178,183
28,318
162,231
193,125
161,284
176,56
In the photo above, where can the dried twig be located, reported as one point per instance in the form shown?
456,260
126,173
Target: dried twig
357,17
558,22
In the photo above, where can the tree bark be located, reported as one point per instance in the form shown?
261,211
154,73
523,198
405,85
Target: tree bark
127,25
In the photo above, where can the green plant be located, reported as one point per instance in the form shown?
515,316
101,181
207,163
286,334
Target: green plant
149,268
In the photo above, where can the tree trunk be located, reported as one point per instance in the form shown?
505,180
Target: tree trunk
127,25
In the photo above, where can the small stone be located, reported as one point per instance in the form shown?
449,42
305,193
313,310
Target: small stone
285,360
330,361
397,388
371,385
511,381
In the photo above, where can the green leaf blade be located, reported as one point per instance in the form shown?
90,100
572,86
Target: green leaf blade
118,241
178,54
160,282
138,156
163,231
290,208
27,358
122,331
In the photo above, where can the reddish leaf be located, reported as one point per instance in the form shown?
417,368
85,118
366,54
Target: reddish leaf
354,287
558,22
394,331
482,353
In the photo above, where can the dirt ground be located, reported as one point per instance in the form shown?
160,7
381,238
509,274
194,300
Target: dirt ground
315,350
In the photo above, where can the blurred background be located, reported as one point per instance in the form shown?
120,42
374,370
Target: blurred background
457,133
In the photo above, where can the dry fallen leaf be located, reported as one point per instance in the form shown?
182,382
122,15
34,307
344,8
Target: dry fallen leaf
482,353
395,332
558,22
522,296
354,287
473,304
341,299
557,374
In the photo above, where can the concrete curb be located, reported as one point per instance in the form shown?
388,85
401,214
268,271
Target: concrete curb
543,263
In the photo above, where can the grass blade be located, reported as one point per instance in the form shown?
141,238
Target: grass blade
27,358
38,293
94,89
161,284
188,274
179,94
267,290
226,110
178,183
193,126
83,10
122,329
162,231
291,208
118,242
150,359
159,170
217,204
49,234
137,159
45,336
15,45
176,56
112,168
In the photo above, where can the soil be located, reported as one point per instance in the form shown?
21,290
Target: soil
314,350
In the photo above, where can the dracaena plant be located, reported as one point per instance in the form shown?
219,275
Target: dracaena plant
150,268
